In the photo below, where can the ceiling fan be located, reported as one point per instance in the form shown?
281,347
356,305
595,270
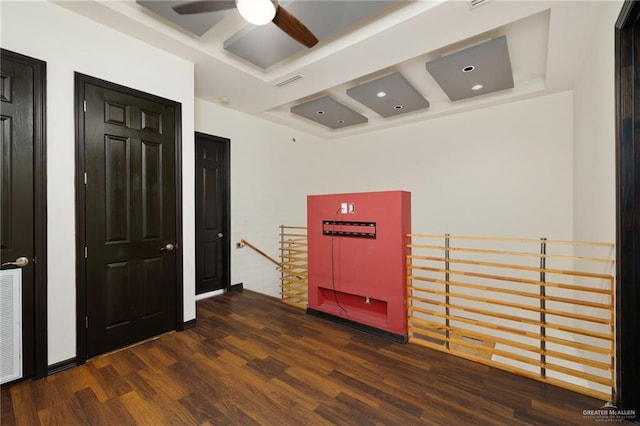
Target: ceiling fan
258,12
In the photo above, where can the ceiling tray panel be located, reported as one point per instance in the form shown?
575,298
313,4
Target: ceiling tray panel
389,95
197,24
267,45
478,70
329,112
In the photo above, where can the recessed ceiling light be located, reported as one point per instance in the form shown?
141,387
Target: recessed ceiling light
398,107
320,112
468,68
340,121
381,94
477,87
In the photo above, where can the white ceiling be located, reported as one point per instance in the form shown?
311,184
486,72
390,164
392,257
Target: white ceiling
547,41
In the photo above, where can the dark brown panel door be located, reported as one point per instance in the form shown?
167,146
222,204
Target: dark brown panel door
130,219
212,213
17,209
627,63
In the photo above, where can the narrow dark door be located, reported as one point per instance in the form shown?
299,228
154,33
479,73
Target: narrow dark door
17,214
627,65
130,219
212,213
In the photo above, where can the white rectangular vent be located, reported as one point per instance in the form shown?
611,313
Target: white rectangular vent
477,3
289,80
10,325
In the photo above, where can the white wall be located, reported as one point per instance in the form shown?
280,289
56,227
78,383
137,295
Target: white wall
594,142
501,171
68,43
271,175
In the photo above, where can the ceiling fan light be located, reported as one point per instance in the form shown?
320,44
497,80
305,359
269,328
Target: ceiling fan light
257,12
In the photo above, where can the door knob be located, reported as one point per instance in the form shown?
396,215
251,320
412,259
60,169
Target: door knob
168,247
220,235
20,262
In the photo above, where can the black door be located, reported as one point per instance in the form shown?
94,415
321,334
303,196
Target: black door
130,218
627,65
17,232
212,213
23,217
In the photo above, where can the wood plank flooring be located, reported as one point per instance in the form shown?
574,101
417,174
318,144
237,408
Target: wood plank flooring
252,360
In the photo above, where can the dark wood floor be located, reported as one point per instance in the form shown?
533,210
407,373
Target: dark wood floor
253,360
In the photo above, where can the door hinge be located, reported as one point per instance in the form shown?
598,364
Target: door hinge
86,252
85,178
86,322
84,106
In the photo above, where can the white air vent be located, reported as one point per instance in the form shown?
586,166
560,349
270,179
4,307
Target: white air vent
477,3
289,80
10,325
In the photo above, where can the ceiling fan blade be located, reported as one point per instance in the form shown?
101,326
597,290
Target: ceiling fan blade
202,6
292,26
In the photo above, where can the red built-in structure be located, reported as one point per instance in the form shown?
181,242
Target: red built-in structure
357,259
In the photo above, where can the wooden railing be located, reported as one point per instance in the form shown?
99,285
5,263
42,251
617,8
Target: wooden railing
539,308
244,242
293,261
535,307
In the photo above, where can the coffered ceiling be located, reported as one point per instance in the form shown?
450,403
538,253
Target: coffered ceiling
382,63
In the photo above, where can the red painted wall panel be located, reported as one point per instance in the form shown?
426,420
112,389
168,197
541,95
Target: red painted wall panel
357,278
